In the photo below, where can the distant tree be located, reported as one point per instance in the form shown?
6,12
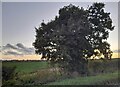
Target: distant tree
72,38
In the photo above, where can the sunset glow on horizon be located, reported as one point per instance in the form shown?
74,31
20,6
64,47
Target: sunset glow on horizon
34,57
24,57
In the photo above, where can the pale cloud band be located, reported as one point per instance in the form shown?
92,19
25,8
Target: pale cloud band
18,49
60,0
20,52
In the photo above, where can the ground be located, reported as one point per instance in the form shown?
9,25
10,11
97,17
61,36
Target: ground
40,72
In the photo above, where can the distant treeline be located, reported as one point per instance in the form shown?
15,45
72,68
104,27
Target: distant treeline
44,60
22,60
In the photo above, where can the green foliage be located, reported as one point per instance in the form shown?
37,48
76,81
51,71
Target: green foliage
74,36
101,24
8,75
102,66
60,41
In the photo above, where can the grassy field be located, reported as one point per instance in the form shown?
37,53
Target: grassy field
90,80
26,67
32,66
37,73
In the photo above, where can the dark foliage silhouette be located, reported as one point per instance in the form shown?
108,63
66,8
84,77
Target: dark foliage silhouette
74,36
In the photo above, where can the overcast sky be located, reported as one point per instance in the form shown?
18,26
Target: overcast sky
20,18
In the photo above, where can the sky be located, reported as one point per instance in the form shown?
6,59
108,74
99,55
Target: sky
20,18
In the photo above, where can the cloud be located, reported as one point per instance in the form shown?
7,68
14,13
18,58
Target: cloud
8,46
18,49
20,45
116,51
11,53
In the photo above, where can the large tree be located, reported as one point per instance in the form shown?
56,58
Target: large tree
74,36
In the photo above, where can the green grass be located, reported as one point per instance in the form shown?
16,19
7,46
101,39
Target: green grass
26,67
37,65
36,72
90,80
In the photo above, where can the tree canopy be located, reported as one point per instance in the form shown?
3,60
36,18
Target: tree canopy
74,36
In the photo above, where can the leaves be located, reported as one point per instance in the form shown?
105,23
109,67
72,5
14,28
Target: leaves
73,36
101,25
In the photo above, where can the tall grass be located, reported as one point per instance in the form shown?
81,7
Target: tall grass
89,80
39,77
102,66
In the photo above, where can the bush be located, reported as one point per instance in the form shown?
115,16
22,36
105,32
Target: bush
102,66
40,77
8,75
